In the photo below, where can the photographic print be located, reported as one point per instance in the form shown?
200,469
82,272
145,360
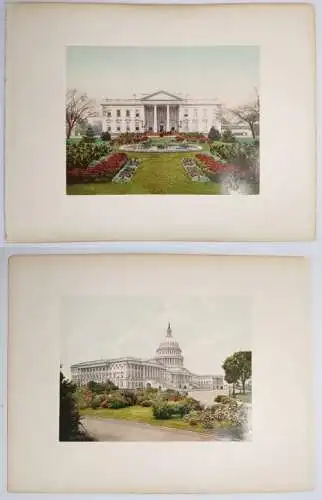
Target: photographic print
142,377
162,120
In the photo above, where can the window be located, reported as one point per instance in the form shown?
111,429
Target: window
137,128
137,114
109,129
128,129
118,113
109,114
118,129
127,113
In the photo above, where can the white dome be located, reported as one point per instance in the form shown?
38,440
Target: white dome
169,343
169,351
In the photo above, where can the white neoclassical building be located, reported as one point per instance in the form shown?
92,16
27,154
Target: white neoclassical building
165,370
160,112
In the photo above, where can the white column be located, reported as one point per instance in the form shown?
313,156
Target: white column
155,126
168,118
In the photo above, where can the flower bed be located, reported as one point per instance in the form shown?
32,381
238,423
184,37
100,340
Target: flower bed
126,174
217,170
192,137
194,171
104,169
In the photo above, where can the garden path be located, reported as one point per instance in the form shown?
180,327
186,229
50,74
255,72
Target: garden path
118,430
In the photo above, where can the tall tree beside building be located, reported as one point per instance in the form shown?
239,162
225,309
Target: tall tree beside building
78,109
238,368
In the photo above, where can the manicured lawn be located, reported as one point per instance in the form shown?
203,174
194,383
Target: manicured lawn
158,173
139,414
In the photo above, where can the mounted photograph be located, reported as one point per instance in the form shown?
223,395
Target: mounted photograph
136,377
162,120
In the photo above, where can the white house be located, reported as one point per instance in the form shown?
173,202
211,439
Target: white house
159,112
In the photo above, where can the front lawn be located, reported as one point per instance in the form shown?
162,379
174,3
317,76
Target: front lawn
158,173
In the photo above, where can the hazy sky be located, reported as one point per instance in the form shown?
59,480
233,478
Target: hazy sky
228,73
207,329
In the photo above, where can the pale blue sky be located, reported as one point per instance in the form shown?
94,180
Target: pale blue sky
208,329
228,73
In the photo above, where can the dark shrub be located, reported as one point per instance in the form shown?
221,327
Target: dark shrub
214,134
129,396
89,135
116,401
105,136
227,136
146,403
163,411
222,398
95,403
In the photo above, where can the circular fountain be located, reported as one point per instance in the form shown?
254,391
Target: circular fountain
170,147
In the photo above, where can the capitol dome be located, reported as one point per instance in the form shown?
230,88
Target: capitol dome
169,352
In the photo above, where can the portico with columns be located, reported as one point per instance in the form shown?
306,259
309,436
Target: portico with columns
160,112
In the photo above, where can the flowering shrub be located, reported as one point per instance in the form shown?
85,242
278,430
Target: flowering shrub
104,169
130,138
207,419
230,411
192,137
193,418
117,401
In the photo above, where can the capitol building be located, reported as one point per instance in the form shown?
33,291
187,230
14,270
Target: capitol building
158,112
165,370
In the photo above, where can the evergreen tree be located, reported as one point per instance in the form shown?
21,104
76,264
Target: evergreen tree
90,134
227,136
214,134
106,136
69,418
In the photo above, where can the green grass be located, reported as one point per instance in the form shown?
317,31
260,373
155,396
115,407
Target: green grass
158,173
139,414
144,415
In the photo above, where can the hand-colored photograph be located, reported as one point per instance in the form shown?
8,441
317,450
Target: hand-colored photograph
165,370
162,120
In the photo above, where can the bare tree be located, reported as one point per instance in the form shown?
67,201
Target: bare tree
249,114
78,108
